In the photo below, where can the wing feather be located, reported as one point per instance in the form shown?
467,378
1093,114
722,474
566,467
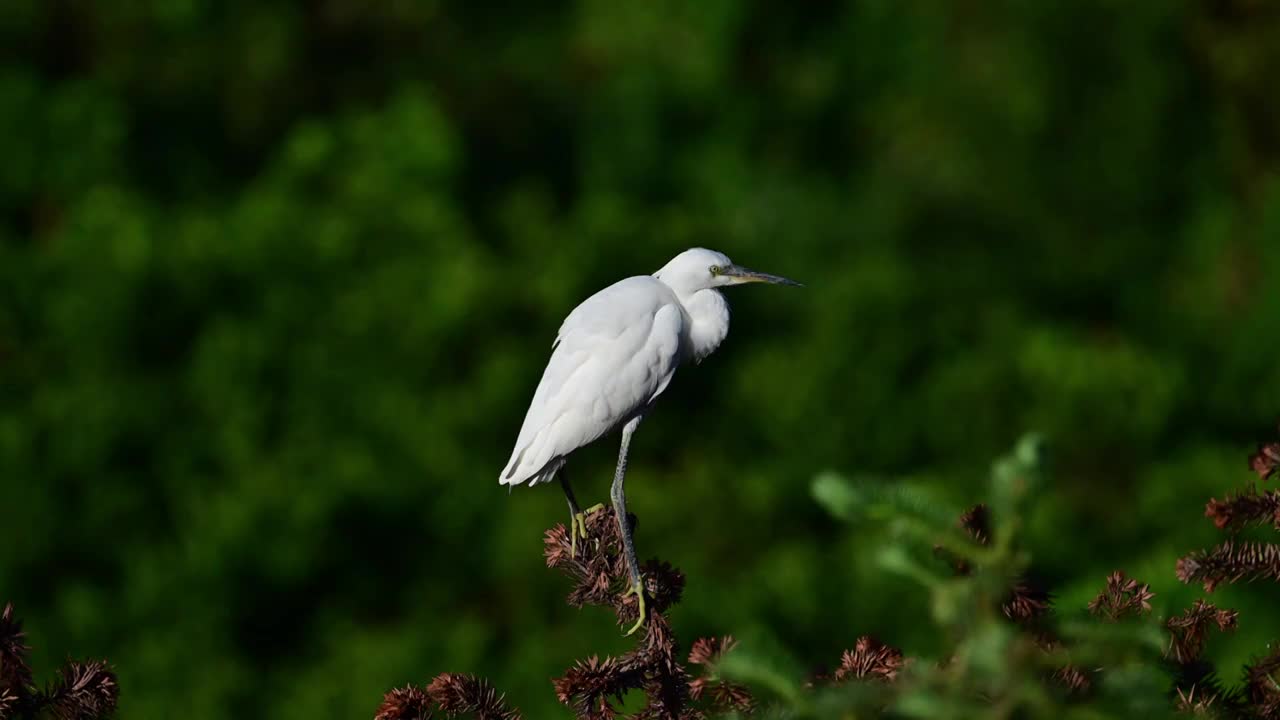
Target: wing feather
614,354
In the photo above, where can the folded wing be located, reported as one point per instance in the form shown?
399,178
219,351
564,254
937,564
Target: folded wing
615,353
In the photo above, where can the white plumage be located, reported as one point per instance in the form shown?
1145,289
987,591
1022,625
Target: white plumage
614,355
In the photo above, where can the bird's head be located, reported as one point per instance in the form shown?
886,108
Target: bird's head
699,269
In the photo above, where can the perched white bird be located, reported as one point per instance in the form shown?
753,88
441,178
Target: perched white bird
613,357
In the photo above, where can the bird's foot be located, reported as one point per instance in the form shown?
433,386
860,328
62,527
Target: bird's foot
578,527
638,590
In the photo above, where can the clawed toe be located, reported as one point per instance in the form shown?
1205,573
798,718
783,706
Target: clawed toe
638,590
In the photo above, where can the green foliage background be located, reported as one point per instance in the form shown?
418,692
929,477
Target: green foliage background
277,281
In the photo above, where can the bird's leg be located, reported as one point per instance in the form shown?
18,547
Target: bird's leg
624,527
582,517
575,515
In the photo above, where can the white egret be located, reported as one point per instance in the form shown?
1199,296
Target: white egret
613,357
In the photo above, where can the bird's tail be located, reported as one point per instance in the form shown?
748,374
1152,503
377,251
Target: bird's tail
508,475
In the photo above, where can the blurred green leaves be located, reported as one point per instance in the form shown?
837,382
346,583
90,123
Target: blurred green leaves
277,280
916,520
996,662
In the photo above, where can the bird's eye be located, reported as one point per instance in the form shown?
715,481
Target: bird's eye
716,269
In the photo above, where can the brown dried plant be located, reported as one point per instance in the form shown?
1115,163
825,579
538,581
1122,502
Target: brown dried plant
1026,604
406,703
1230,562
977,522
1266,460
458,695
1245,508
1262,686
15,673
1201,700
1122,597
870,660
723,695
453,695
592,688
1189,630
1025,601
1074,679
82,690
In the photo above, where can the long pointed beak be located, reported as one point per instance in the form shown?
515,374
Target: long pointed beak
742,275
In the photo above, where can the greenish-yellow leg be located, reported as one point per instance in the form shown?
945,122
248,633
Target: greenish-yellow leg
580,520
579,527
577,518
638,591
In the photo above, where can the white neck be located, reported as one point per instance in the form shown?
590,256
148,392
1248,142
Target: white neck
709,313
